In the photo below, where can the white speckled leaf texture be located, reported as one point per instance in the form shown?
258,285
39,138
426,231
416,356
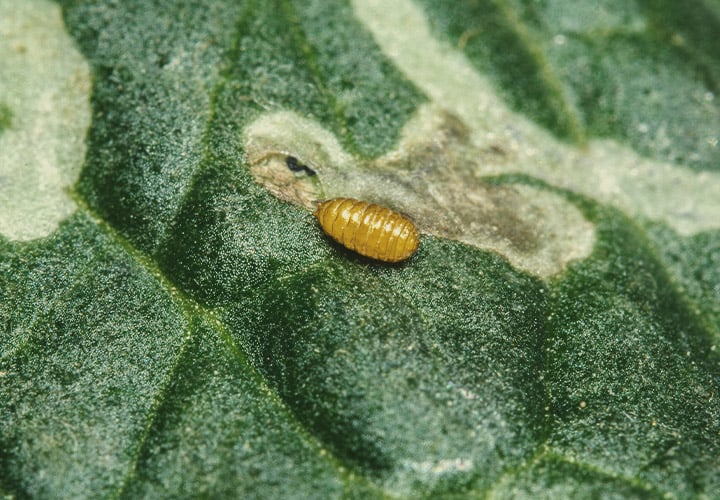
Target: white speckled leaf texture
175,324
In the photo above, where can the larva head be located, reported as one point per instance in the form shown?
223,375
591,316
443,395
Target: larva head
318,209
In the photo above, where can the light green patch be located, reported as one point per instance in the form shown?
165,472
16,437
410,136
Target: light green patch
430,177
687,201
46,85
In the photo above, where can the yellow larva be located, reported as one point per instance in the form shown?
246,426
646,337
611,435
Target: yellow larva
370,230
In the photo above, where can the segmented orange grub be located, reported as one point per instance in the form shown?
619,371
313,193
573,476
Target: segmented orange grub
368,229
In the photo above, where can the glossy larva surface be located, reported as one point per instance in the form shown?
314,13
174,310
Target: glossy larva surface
368,229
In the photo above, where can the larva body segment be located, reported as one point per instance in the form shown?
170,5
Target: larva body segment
368,229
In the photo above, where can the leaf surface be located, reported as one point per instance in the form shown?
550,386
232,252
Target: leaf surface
184,328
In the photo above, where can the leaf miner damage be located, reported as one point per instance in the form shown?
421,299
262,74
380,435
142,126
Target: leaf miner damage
433,176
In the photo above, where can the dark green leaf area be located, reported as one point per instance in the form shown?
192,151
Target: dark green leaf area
155,65
644,72
34,277
219,434
232,237
692,25
553,477
269,68
370,96
695,263
632,376
77,391
638,89
424,376
497,45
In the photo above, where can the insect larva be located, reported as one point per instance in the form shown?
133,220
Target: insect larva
368,229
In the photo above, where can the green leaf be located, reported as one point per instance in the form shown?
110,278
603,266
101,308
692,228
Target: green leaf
174,323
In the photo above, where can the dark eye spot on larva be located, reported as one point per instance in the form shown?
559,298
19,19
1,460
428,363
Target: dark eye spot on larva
295,165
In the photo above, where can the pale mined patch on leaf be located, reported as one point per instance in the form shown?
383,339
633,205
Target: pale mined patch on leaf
273,138
44,90
430,177
686,200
